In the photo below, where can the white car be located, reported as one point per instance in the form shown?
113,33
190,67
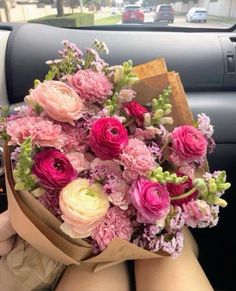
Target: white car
197,14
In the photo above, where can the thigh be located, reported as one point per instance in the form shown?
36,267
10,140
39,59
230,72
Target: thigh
167,274
114,278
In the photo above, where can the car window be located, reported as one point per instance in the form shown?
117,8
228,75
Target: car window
132,8
166,8
78,13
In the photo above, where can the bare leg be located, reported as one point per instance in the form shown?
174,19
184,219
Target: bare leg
114,278
166,274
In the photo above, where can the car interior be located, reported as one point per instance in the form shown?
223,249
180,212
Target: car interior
206,62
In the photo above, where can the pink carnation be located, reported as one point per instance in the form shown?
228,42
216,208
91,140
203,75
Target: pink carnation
136,159
43,132
78,161
116,223
91,86
197,212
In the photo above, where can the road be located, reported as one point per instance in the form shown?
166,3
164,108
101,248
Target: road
181,21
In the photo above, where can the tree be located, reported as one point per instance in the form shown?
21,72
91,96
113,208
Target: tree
60,9
7,10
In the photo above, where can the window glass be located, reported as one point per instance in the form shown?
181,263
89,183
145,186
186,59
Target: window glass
75,13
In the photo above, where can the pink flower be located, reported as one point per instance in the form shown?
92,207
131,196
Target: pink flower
115,224
204,125
148,133
91,86
43,132
53,169
197,212
126,95
109,166
58,100
188,143
78,161
151,199
177,190
118,192
136,159
107,138
135,110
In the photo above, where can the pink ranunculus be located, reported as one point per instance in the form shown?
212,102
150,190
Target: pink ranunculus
135,110
53,169
136,159
107,138
177,190
58,100
188,143
91,86
197,212
151,199
116,223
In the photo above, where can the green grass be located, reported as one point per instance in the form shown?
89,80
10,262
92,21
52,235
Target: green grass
113,19
224,20
68,20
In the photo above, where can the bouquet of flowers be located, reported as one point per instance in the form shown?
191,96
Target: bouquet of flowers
105,164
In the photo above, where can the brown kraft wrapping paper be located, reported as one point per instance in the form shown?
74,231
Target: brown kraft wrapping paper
36,225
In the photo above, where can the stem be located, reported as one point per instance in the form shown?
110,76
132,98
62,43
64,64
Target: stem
184,195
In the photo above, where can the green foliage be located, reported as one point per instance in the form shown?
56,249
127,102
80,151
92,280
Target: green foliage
161,107
158,175
91,56
124,76
211,189
4,111
24,180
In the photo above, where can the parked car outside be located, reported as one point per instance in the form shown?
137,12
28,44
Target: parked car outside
164,12
133,14
147,9
197,14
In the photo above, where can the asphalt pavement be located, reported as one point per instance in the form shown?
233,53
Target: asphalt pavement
180,20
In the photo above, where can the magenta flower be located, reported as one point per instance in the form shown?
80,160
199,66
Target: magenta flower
188,143
135,110
53,169
115,224
91,86
151,200
108,137
176,190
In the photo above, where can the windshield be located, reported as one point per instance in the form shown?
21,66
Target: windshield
77,13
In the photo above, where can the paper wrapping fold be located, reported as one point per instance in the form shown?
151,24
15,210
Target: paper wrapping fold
24,269
41,229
